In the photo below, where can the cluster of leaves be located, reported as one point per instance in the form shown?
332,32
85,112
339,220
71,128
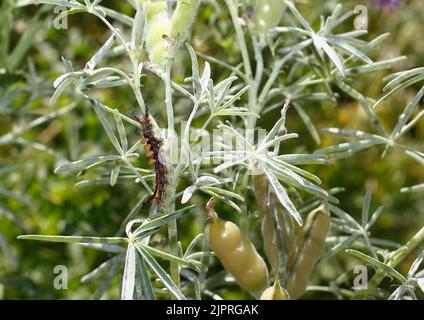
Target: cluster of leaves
289,65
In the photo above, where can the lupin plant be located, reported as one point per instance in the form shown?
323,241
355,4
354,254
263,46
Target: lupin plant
288,225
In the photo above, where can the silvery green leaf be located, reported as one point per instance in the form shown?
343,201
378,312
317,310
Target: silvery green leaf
295,180
282,195
8,252
376,66
221,90
211,96
60,89
308,122
223,192
415,188
99,271
276,141
138,27
234,98
379,265
77,165
73,239
163,276
232,162
350,147
374,217
297,170
366,207
204,80
321,45
110,248
406,114
160,221
188,192
401,77
222,198
299,159
121,130
118,16
354,134
235,112
416,264
9,215
192,244
65,3
344,46
115,173
166,256
128,279
108,128
345,217
105,282
341,246
109,82
144,277
206,180
406,84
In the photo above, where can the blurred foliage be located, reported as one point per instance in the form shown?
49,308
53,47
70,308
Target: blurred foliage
45,203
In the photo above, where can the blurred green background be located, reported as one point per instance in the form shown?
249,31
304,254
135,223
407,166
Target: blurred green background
45,203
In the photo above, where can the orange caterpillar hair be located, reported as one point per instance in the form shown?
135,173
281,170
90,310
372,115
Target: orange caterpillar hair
152,145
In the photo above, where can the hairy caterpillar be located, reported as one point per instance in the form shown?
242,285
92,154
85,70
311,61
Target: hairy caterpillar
152,146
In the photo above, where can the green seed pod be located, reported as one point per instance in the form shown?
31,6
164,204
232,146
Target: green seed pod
237,253
268,14
158,28
310,244
182,18
275,293
269,235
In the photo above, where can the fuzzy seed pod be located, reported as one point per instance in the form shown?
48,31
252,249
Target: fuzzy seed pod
269,235
268,14
275,293
237,253
310,244
182,18
158,28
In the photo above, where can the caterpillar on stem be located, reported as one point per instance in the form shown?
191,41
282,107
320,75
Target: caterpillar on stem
152,145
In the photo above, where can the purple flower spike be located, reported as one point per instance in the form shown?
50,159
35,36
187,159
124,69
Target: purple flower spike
387,4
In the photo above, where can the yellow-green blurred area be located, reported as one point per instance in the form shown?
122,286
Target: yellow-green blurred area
48,203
